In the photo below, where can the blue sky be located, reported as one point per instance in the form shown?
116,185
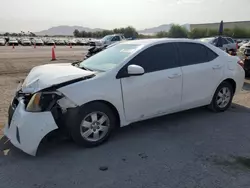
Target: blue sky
36,15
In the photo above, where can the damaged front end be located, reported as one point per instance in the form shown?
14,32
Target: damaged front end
34,115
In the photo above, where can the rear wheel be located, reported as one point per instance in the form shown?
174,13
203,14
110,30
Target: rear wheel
95,123
222,98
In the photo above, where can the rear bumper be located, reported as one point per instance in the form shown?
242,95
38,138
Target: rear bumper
26,129
239,79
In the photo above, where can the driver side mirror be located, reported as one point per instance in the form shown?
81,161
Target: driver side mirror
135,70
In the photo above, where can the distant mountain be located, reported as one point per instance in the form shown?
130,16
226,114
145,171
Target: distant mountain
68,30
160,28
65,30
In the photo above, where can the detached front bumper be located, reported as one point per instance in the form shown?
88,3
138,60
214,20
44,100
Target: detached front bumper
27,129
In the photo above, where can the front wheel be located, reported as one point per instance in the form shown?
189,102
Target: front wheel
222,98
94,125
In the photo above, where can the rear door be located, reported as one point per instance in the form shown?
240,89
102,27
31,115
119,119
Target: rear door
156,92
202,72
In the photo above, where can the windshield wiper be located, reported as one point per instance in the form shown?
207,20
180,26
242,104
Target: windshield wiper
76,63
82,67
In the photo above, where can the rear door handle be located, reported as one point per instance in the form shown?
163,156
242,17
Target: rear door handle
217,66
175,75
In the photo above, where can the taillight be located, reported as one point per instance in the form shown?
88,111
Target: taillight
241,63
237,46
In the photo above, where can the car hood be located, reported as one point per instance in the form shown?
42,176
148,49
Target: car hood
44,76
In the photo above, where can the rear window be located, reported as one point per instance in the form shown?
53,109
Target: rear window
230,40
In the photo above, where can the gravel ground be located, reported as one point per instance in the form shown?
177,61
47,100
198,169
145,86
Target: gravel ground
15,64
195,148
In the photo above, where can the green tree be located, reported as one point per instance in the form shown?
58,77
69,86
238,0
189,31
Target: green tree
176,31
198,33
213,32
130,32
241,33
6,34
76,33
162,34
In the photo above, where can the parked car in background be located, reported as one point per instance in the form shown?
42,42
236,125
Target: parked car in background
228,44
50,42
107,40
72,42
119,86
37,42
25,42
242,43
2,42
96,49
230,39
60,42
81,42
13,41
245,49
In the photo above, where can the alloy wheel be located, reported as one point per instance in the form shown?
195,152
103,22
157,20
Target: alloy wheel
223,97
94,126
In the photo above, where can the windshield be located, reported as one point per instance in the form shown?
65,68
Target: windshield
109,58
108,37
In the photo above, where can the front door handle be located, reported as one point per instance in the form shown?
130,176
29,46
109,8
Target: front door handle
217,66
175,75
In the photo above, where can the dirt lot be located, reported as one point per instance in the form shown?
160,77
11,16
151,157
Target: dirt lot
195,148
16,63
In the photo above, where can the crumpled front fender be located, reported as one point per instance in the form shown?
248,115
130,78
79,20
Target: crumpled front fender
27,129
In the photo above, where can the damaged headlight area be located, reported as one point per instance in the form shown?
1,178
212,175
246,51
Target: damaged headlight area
43,101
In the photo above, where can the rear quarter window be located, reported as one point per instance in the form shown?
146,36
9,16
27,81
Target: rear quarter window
194,53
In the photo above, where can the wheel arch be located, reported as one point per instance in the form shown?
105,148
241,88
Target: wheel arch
230,81
111,106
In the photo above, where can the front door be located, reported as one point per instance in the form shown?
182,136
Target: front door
156,92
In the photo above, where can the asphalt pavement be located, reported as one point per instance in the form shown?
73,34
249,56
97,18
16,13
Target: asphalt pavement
195,148
191,149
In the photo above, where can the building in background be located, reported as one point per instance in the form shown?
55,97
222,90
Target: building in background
227,25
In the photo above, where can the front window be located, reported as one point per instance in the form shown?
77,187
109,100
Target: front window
110,57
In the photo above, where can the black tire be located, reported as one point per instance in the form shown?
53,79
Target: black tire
213,105
84,112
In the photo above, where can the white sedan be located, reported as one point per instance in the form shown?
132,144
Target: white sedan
126,83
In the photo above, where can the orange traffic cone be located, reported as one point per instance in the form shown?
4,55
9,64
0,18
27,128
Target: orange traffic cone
13,46
53,55
54,45
70,45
